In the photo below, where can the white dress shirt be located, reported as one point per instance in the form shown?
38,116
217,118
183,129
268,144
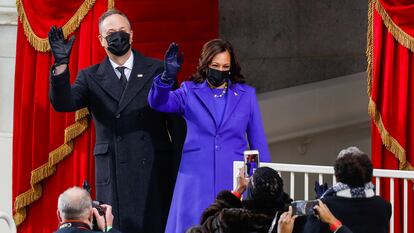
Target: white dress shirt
128,64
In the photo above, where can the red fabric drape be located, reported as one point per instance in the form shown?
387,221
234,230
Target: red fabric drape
38,129
392,98
401,13
42,13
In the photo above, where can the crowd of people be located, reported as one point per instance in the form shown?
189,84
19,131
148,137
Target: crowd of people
349,206
145,123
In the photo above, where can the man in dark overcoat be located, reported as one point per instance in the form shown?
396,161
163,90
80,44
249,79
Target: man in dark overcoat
136,147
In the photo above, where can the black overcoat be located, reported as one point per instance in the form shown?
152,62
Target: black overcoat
137,149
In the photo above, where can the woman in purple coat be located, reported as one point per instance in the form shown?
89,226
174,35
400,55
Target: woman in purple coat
220,110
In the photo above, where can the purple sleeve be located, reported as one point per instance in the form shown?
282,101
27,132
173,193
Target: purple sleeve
162,99
255,131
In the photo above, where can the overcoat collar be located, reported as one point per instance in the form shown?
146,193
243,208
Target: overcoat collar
107,79
205,95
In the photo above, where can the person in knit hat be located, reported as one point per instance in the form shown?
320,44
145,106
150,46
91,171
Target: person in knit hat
263,202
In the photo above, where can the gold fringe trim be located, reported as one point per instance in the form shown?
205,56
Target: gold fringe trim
42,44
389,141
111,4
49,168
370,45
402,37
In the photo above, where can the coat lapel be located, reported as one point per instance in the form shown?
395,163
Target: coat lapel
107,79
137,80
205,95
234,95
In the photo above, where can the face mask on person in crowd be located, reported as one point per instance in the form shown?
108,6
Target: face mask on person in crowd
118,43
216,77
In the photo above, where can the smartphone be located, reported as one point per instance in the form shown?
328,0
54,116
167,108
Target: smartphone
251,162
304,207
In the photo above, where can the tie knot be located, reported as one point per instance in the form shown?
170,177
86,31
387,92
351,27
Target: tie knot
121,69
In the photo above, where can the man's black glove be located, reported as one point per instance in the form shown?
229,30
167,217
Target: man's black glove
320,189
172,64
60,49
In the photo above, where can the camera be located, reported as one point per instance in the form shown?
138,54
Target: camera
98,205
95,204
304,207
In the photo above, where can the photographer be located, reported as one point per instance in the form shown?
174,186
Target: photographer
75,213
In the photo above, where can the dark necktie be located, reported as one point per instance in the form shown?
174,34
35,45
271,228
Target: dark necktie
123,78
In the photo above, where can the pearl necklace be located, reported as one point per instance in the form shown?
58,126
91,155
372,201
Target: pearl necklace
222,93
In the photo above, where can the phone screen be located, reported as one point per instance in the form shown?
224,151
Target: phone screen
251,162
304,207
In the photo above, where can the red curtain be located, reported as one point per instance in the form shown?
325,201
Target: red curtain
40,135
391,90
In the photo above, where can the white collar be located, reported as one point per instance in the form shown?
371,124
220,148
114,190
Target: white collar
128,64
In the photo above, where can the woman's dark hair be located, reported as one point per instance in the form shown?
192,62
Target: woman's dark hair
211,49
353,167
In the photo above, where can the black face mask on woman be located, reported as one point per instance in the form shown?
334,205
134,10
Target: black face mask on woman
216,77
118,43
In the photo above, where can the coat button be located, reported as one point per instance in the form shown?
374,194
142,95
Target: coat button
119,138
143,161
118,116
217,147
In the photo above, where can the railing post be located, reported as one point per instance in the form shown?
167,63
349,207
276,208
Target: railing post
306,186
292,185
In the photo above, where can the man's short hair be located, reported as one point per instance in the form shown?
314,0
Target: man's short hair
109,13
353,167
75,203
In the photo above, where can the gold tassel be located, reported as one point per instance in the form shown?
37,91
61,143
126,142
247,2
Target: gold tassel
42,44
402,37
49,168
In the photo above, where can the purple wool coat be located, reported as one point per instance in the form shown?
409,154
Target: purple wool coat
210,147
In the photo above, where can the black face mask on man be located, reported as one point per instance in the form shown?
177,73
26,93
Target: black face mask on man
216,77
118,43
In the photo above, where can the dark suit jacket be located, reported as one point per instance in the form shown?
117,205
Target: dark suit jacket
135,166
360,215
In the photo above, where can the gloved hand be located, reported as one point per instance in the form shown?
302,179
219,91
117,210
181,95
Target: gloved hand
60,49
320,189
172,64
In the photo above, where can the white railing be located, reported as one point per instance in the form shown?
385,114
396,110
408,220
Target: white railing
320,171
9,221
